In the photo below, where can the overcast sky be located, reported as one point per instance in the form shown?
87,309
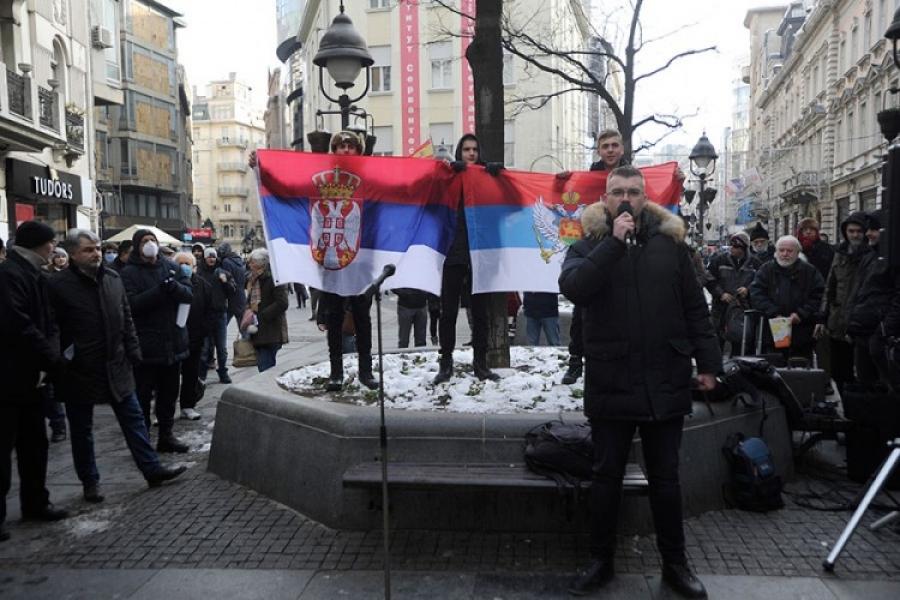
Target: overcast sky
224,36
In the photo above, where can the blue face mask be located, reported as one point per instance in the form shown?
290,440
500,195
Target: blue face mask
110,256
187,270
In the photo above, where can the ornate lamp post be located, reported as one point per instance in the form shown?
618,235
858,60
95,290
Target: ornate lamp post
889,122
703,164
344,53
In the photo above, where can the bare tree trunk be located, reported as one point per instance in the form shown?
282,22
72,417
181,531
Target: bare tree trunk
485,55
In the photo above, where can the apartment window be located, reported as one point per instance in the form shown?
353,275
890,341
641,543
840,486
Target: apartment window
442,133
106,13
509,69
381,69
863,131
867,33
102,150
227,208
374,4
439,53
848,135
384,142
509,143
222,113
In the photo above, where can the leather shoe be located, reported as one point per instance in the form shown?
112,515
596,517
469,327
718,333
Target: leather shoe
595,576
92,493
367,379
58,436
483,373
224,378
683,581
334,384
4,532
445,372
573,373
47,513
157,478
170,443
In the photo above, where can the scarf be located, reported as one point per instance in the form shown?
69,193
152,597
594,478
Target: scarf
807,241
254,295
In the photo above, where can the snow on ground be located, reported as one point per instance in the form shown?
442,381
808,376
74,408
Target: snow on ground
199,440
531,385
90,523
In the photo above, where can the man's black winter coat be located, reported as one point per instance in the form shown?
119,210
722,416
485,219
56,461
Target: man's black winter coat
94,319
234,265
779,291
644,317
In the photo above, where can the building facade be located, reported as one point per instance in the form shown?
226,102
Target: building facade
226,128
421,84
45,92
143,152
820,76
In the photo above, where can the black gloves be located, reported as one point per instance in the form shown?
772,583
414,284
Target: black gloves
493,168
169,285
458,166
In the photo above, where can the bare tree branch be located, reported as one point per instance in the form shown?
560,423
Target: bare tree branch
678,56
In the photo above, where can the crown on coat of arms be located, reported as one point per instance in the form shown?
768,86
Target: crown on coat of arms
336,183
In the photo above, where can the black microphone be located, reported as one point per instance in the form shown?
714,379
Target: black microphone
625,207
385,273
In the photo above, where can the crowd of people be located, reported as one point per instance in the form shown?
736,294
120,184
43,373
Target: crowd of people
133,325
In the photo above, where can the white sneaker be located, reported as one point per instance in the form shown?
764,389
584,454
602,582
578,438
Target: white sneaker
190,414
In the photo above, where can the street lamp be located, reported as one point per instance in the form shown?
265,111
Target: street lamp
343,52
893,34
889,121
703,164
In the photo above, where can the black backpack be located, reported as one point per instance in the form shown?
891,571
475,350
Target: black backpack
754,484
561,451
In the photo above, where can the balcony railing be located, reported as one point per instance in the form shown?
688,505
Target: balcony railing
75,128
226,141
47,108
233,166
18,97
803,186
233,191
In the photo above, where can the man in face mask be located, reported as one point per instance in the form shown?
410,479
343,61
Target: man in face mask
101,349
790,287
818,252
156,287
840,289
110,252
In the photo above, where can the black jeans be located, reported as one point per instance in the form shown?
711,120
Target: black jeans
360,307
576,337
190,375
164,380
22,429
455,284
841,362
661,441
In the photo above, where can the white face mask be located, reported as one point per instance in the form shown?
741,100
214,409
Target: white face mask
150,249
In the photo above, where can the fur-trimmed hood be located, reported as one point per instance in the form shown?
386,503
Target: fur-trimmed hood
596,221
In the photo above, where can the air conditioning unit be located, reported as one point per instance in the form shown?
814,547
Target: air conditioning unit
101,37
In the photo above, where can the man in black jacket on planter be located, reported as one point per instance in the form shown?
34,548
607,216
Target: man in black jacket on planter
29,355
644,319
156,287
101,348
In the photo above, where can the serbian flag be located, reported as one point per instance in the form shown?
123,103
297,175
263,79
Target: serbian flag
334,222
521,224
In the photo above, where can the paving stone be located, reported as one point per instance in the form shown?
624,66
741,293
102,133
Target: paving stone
405,585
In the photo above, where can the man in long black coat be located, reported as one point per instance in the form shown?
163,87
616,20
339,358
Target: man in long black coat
156,288
644,319
101,347
29,355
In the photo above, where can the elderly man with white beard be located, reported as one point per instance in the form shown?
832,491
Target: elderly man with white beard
790,287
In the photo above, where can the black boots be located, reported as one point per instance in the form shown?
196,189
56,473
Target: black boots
157,478
365,372
573,373
336,379
445,371
595,576
482,372
169,443
680,578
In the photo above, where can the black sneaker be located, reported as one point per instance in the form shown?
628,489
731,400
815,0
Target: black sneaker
445,372
47,513
92,493
594,577
483,373
683,581
573,374
157,478
224,378
170,443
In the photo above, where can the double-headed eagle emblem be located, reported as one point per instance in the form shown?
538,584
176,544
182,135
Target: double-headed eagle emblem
557,226
335,219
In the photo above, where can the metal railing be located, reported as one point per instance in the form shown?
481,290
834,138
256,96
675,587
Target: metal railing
75,128
233,166
18,98
227,141
47,108
233,191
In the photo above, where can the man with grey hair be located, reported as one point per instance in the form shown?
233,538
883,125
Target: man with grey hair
790,287
100,347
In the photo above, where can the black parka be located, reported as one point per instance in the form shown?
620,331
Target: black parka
271,311
645,317
94,320
873,296
843,279
154,307
29,338
779,291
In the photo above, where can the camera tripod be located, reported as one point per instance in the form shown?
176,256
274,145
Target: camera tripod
876,482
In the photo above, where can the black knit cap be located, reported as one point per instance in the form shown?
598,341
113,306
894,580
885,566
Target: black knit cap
874,219
32,234
758,232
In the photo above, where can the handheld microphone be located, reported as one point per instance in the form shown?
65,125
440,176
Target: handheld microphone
385,273
625,207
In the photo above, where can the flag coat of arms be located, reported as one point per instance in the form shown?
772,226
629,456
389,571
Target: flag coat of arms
520,224
334,222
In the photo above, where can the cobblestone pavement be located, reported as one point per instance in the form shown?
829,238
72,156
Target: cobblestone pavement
203,522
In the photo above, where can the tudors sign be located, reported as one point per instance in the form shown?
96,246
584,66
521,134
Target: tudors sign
29,181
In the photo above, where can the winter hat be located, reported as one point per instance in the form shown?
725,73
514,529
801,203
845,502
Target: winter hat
758,232
139,235
808,222
32,234
198,245
210,252
224,248
740,239
857,218
346,136
59,253
874,219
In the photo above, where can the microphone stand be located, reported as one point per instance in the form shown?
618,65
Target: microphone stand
384,455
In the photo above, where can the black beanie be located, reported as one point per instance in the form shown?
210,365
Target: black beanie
32,234
758,232
874,219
